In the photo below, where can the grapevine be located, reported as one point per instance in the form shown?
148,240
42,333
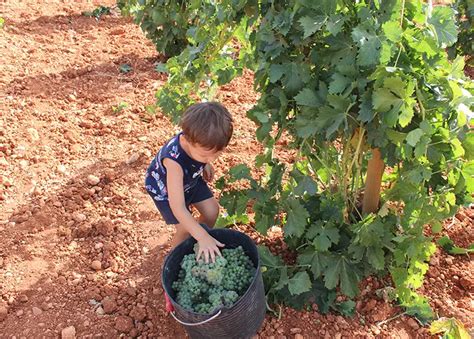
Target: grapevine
204,288
377,113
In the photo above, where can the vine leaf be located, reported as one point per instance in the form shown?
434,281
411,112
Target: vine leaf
340,271
450,327
307,97
297,217
299,283
311,24
442,21
369,45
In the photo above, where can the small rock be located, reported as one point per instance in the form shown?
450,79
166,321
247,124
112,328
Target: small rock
467,283
117,31
123,324
7,182
33,134
449,260
460,216
3,162
413,324
79,217
369,306
3,310
93,180
23,298
109,305
138,313
96,265
100,310
19,313
133,158
299,336
105,227
295,330
37,310
62,169
68,333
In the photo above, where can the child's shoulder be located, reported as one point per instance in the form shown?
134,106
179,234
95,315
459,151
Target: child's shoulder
171,148
174,140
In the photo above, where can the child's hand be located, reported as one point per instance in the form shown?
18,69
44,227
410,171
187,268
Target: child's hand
208,173
208,247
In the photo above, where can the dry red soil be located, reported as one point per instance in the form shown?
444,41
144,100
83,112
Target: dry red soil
81,245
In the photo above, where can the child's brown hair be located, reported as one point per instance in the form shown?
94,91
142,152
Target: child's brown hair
208,124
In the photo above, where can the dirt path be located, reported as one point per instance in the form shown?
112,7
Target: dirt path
80,242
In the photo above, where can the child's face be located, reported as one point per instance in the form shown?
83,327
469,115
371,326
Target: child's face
203,154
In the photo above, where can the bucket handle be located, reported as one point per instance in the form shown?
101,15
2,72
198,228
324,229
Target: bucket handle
196,324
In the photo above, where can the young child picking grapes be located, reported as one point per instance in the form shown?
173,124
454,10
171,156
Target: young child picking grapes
177,176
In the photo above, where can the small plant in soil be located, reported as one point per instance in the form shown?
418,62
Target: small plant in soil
98,12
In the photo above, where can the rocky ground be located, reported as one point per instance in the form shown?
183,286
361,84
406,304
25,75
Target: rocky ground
81,246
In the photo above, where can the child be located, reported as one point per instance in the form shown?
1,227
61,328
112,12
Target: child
176,178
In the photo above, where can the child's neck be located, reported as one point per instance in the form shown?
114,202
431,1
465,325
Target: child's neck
185,146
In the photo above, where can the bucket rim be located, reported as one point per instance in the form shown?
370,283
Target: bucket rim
223,309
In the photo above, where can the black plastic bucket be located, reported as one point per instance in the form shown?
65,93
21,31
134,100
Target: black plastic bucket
244,318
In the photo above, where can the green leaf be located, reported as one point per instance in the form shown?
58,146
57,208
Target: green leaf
450,328
366,113
317,261
267,258
125,68
308,97
305,126
369,45
346,308
414,136
341,271
376,257
392,30
299,283
339,83
238,172
456,146
2,22
335,24
383,100
307,185
468,145
276,72
283,281
160,67
448,245
442,20
436,226
331,116
297,218
311,24
326,236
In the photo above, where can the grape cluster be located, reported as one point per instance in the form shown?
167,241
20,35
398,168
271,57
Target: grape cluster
204,288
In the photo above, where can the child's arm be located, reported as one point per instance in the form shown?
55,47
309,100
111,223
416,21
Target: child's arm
208,246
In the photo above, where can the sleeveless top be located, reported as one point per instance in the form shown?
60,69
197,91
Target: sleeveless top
155,179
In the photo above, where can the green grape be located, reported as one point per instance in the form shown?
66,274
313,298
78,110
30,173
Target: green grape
204,288
230,297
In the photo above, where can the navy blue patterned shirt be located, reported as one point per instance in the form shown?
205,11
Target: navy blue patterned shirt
155,180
